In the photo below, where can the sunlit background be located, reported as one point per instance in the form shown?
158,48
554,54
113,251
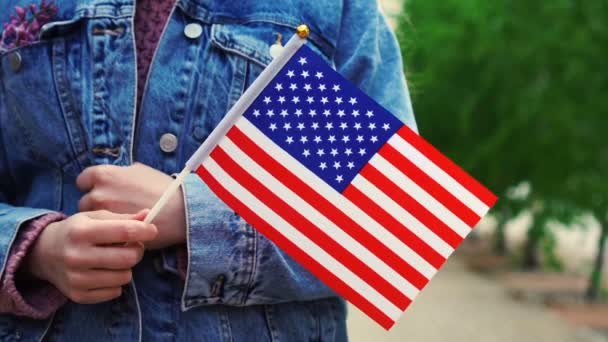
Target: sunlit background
516,93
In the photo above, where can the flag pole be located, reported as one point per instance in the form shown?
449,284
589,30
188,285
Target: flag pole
296,41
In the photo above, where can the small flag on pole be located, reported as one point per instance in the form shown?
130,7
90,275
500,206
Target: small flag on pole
340,184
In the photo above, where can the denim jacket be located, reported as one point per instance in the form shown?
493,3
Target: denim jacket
67,101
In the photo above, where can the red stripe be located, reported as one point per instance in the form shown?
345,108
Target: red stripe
309,229
408,203
328,209
433,188
298,254
448,166
394,226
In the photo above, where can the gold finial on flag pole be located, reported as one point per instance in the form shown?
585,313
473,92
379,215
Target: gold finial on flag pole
303,31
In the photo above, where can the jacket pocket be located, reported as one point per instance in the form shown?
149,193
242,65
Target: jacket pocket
40,117
41,108
238,53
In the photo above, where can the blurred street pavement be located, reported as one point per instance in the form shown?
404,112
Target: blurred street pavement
459,306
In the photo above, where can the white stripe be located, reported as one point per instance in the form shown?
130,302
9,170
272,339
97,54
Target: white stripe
305,244
319,220
337,199
403,216
420,195
440,176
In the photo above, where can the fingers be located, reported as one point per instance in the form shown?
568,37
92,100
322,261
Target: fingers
141,215
124,231
110,257
95,296
98,200
114,231
94,175
99,279
108,215
84,181
93,201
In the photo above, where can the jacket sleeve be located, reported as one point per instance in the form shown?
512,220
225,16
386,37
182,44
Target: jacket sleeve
231,263
19,293
21,298
14,297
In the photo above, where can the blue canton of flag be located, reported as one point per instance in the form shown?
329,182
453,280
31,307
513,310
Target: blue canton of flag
322,119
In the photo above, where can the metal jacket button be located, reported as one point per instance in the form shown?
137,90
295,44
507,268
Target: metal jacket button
15,61
193,30
168,142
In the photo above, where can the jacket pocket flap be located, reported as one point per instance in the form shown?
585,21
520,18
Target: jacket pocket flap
253,41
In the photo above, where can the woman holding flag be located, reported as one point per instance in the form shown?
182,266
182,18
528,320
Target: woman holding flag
100,103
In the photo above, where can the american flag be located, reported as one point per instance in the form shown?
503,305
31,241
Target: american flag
343,186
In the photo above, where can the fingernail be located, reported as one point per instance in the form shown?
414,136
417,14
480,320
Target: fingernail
142,213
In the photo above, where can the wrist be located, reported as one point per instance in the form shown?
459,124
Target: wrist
177,220
180,215
34,260
171,223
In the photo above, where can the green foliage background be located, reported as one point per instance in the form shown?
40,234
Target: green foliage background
516,91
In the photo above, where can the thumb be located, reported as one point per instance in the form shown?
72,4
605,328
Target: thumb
141,215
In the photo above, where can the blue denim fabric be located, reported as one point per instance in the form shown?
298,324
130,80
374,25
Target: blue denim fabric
70,104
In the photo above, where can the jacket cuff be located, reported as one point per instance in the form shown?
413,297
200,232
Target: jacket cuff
221,249
27,296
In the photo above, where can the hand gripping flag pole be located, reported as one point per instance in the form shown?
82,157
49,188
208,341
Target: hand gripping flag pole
296,41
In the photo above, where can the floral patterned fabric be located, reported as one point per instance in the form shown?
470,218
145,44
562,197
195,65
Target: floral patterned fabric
24,26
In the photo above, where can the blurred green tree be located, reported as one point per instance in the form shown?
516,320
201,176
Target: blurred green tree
515,91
